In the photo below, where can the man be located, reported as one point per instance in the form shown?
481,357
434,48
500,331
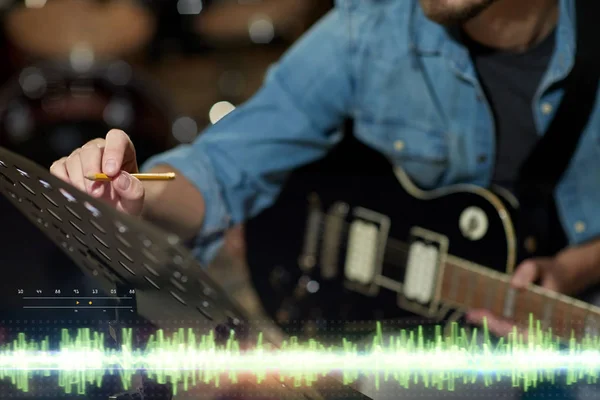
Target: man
454,91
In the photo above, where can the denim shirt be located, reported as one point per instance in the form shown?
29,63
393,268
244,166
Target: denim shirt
413,94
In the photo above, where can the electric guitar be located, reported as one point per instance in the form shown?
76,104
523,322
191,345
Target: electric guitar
370,245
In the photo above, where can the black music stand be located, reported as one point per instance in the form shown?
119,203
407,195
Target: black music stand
118,250
147,389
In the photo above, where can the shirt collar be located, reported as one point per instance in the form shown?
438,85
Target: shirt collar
430,39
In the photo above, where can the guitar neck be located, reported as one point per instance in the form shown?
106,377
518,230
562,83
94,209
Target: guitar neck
470,286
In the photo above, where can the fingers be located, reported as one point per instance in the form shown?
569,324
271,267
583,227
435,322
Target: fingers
78,164
108,155
495,325
118,149
526,274
131,192
73,165
59,169
91,162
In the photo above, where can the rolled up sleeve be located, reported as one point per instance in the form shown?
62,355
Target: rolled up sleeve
240,163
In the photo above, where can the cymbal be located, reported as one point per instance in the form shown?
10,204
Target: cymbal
109,29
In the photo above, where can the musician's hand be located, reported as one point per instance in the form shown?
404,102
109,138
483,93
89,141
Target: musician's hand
235,244
550,273
113,156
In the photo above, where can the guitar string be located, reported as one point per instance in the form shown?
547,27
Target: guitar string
403,250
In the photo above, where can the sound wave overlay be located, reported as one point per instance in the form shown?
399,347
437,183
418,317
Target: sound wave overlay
186,359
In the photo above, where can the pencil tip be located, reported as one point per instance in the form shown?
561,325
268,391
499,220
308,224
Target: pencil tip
90,177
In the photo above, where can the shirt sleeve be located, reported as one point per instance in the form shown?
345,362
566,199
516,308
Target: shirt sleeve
240,163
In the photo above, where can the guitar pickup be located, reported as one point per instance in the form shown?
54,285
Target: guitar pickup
426,255
367,238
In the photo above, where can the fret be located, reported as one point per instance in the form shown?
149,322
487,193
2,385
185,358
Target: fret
481,286
499,296
469,286
492,291
454,282
568,326
490,296
547,313
528,302
578,315
563,315
471,281
509,303
591,325
522,307
464,285
560,319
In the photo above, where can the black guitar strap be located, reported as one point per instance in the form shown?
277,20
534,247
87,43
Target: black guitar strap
545,166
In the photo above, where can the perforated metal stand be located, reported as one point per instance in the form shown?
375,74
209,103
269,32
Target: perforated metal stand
114,248
117,249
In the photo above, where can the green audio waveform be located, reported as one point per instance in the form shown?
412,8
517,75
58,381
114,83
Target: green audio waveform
187,359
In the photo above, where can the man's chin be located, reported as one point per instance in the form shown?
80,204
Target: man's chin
443,13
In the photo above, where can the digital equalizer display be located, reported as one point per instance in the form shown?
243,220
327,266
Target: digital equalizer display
78,300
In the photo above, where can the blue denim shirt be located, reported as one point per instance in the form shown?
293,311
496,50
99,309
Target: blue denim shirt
414,95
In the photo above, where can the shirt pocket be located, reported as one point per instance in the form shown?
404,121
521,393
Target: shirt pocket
423,153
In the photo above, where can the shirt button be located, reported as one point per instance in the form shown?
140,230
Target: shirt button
482,158
579,227
399,145
547,108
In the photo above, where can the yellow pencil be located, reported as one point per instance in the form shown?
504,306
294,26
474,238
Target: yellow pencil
142,177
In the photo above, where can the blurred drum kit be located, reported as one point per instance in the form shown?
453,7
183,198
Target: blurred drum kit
72,77
75,66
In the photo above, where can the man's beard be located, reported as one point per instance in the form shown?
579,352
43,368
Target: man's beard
447,14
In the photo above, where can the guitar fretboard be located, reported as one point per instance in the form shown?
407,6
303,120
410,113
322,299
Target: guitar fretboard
470,286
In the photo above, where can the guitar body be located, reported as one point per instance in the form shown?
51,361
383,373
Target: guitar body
351,239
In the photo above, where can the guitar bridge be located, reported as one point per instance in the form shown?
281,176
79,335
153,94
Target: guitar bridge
308,257
332,239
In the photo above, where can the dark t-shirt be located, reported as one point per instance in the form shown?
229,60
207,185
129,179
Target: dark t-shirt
510,81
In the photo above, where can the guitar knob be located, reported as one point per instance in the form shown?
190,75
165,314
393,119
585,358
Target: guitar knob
312,287
473,223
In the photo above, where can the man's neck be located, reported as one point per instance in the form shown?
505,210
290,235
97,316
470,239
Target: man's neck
514,25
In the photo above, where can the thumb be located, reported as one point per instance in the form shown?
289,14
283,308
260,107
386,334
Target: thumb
131,191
